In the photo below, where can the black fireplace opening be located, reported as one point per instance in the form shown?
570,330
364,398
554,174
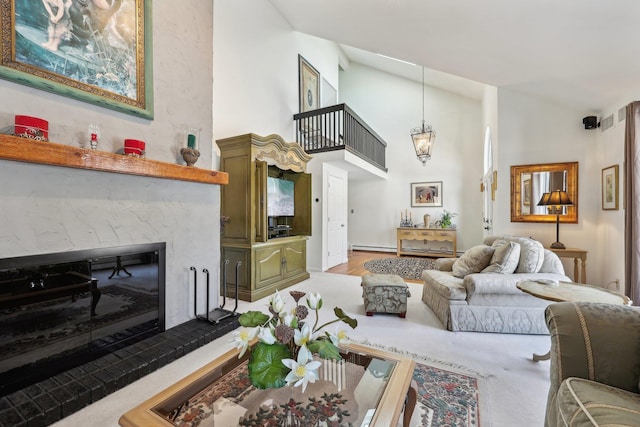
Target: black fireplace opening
61,310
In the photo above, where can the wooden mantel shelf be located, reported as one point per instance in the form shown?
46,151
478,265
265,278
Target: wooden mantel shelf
49,153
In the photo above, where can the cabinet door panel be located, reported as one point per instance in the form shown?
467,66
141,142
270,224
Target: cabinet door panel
235,199
295,258
260,201
301,224
268,265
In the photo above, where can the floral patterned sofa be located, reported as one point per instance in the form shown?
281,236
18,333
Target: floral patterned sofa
477,292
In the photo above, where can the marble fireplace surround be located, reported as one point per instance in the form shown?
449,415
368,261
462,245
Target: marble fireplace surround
58,198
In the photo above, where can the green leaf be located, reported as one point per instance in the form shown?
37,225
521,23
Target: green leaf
346,319
325,349
251,319
266,369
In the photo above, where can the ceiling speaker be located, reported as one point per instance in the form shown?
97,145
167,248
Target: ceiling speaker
590,122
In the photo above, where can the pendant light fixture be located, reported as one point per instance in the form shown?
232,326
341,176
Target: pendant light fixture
423,136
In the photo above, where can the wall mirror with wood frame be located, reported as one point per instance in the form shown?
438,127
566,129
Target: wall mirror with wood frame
529,182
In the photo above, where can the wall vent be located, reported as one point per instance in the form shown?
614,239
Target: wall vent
622,114
607,122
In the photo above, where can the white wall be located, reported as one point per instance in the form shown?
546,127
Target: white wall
532,130
392,106
48,209
256,69
609,262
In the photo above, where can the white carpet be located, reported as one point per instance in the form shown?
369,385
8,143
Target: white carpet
514,387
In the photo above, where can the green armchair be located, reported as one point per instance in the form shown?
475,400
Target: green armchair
595,365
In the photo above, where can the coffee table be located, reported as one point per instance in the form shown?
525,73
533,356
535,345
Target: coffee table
372,385
570,292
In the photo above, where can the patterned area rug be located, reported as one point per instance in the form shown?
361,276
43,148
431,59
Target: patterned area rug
448,394
445,398
407,268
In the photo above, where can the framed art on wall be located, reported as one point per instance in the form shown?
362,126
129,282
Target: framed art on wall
96,51
610,188
426,194
308,86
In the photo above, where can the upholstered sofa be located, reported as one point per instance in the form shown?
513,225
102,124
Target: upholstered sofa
595,365
477,292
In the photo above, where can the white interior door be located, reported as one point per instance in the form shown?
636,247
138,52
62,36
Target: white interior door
336,248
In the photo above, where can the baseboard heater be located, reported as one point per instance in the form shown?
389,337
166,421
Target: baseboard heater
373,248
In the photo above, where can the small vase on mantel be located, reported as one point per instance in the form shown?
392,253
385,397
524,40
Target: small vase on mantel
190,155
427,220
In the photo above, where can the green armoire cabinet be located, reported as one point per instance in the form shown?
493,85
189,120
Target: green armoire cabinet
262,253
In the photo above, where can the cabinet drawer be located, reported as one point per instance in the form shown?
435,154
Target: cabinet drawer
417,234
405,233
445,233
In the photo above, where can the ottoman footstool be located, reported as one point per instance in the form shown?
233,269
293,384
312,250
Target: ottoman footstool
384,293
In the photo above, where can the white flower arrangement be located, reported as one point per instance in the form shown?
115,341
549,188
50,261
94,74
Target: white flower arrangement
287,342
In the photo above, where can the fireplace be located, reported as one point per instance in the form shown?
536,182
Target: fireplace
61,310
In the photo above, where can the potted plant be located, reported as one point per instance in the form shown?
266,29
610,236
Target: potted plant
445,219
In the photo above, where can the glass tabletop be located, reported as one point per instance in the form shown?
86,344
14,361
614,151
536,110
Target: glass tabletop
347,393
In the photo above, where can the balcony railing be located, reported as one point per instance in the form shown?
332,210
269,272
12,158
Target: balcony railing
339,128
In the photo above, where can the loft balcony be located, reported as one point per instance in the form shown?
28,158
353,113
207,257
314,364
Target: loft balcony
339,128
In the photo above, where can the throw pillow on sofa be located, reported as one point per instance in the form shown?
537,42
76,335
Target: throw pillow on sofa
551,264
473,261
505,258
531,252
531,256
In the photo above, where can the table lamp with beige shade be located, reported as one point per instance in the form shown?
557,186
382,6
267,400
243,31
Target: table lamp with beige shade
556,200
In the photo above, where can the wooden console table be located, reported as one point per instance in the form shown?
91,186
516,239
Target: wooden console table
427,235
579,257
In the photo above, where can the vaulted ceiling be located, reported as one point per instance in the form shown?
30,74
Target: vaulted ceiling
580,53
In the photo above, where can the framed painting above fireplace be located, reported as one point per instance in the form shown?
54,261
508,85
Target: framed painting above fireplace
97,51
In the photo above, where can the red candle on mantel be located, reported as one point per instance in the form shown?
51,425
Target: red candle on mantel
134,146
32,127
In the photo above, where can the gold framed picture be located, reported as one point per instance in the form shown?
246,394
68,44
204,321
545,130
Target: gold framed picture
96,51
610,186
308,85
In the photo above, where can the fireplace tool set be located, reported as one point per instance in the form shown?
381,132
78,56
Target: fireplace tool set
219,313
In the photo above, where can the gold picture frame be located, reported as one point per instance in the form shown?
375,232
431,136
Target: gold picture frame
610,188
566,172
308,86
99,52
